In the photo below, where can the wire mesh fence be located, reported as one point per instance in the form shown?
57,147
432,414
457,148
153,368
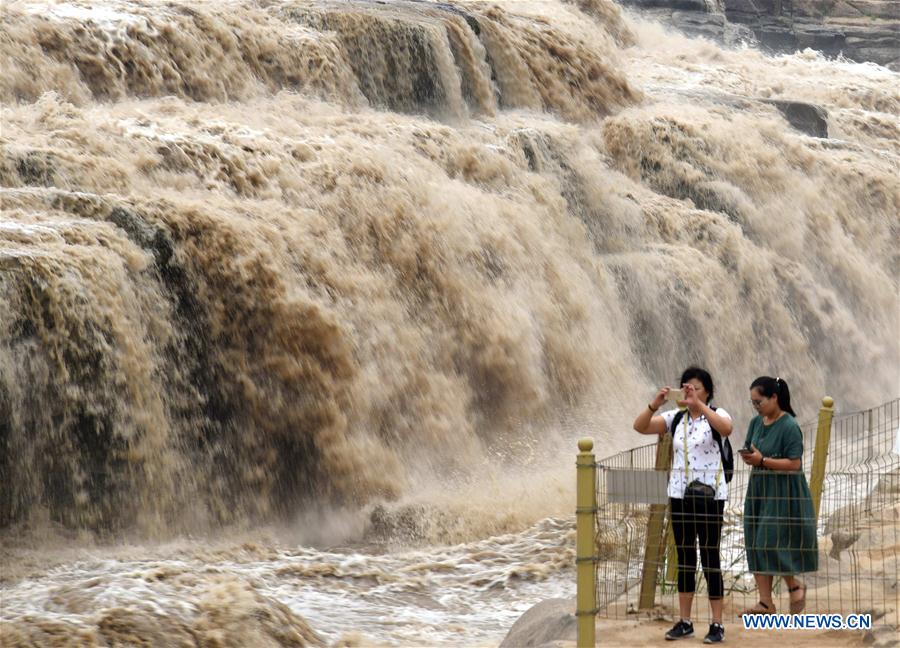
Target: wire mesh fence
845,547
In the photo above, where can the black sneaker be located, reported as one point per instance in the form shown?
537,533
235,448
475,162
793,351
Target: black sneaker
680,630
716,634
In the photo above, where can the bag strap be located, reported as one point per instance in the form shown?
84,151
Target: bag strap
718,439
681,414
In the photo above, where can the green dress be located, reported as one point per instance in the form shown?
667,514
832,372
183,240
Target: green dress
779,519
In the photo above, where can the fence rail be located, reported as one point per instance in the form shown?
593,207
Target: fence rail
852,464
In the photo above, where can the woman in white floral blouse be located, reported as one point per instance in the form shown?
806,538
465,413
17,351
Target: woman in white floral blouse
697,490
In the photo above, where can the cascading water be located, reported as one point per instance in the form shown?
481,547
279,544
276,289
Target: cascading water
283,262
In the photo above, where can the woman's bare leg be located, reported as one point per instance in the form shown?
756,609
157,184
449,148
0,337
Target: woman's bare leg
716,606
764,585
791,581
685,603
798,594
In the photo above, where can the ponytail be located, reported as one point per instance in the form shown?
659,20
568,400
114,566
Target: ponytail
777,387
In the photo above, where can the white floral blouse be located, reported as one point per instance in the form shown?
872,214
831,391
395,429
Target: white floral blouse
704,458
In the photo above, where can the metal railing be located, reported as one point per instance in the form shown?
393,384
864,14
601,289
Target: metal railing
626,554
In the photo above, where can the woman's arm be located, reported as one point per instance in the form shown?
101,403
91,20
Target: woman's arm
756,458
789,465
646,422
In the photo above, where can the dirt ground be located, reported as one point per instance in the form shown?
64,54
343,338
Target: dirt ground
620,628
856,576
646,632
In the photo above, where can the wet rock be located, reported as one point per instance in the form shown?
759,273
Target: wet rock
866,31
841,540
808,118
678,5
694,23
136,227
881,637
36,169
861,31
544,624
820,37
471,20
695,19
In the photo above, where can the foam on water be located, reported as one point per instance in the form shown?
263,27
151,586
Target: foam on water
463,594
367,270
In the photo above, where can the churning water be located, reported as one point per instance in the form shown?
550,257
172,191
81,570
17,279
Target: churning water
359,273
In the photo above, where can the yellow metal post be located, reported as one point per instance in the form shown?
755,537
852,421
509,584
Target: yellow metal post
585,547
823,438
655,543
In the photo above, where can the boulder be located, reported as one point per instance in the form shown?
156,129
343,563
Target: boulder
841,540
807,118
544,624
693,23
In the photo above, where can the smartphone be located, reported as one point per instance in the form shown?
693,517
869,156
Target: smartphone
745,451
675,395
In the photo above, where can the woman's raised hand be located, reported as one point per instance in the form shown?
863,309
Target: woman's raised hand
691,400
659,399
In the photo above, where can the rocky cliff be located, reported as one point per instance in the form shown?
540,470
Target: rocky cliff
860,30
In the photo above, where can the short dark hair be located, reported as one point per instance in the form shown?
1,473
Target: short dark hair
703,376
769,387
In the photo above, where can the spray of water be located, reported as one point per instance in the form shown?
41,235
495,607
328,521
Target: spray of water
262,256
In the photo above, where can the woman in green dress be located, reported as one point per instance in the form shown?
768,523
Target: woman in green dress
779,519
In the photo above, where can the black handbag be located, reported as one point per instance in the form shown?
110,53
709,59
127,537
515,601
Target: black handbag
698,490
